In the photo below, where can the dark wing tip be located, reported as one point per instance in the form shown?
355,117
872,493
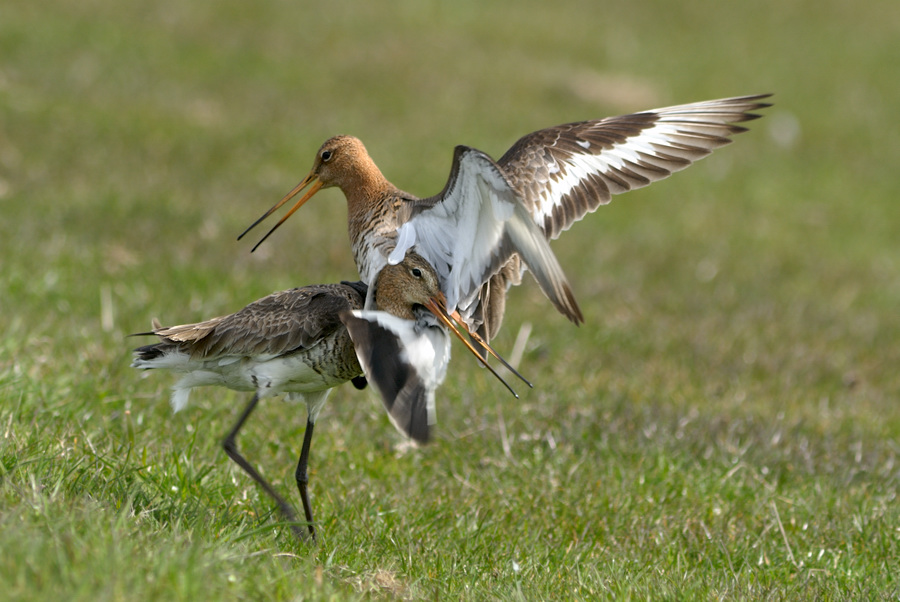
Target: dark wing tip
149,352
756,105
403,393
574,311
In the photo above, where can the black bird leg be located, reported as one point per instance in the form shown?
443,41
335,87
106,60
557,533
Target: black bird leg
303,478
231,449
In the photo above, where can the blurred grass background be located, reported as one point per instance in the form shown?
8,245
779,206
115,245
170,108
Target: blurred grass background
725,424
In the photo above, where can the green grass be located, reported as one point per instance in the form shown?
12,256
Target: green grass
725,424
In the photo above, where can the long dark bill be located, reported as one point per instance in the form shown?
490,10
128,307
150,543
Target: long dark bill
310,179
437,308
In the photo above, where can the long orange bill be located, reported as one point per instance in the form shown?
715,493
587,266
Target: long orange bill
477,338
436,307
310,179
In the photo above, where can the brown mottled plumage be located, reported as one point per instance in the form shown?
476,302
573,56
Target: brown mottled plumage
291,321
289,342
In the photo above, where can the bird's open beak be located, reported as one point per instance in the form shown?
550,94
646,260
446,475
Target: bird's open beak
310,179
438,306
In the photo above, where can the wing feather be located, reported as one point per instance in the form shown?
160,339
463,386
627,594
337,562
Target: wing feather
404,362
473,229
558,171
274,325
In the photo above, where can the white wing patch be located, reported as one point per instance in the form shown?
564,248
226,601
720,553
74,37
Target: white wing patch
423,348
406,238
634,151
681,135
462,235
427,350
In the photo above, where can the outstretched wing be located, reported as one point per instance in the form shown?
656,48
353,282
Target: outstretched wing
471,230
405,362
564,172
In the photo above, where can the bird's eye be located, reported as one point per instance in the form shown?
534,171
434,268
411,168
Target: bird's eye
417,272
326,155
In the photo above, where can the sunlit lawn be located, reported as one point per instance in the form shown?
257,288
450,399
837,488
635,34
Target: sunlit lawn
724,425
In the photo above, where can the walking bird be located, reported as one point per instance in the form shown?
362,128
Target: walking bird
295,342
